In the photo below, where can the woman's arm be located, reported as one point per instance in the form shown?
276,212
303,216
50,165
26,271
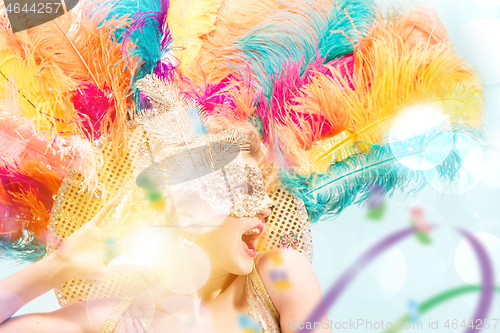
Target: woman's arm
294,289
82,255
35,280
29,283
74,318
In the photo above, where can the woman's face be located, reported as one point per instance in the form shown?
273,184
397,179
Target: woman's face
232,245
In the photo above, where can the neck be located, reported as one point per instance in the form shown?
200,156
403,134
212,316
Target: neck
218,281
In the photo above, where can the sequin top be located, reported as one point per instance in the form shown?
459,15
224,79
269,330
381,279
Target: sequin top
260,305
260,308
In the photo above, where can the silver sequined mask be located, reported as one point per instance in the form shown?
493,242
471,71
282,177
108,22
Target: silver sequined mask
238,190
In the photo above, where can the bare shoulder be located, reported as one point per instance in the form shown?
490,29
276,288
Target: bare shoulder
293,288
289,260
286,274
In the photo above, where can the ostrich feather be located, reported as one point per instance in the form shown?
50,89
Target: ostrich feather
150,35
163,95
92,104
33,80
357,99
388,77
301,101
417,25
286,52
148,30
11,226
175,120
189,20
37,212
212,97
80,48
350,181
405,83
28,248
235,18
20,142
80,36
41,173
305,30
26,199
275,109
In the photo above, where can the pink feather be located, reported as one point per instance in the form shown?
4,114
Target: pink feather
346,67
92,104
20,142
214,98
279,110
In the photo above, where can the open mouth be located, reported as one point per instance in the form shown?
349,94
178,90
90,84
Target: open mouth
249,240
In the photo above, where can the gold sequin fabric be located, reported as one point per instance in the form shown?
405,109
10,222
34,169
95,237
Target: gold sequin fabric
289,215
73,208
260,305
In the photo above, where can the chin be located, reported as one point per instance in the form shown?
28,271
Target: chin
243,263
244,267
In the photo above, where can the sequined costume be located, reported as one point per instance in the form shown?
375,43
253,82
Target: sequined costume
260,308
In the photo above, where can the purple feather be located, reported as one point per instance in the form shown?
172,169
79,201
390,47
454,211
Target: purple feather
152,44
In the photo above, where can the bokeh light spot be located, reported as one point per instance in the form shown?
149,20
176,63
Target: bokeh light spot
188,313
480,43
383,278
409,140
466,261
187,268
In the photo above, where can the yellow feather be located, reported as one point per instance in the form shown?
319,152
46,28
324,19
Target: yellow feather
391,75
43,87
189,20
51,61
235,18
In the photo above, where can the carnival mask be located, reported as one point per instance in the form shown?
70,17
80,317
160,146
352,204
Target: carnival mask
238,190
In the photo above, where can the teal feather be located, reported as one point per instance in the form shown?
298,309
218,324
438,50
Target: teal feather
350,181
303,34
28,248
148,31
150,35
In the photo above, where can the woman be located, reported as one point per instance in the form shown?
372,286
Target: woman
310,119
240,280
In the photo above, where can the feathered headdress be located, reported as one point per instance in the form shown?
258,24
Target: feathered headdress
324,81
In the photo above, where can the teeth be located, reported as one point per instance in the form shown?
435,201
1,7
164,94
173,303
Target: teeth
253,231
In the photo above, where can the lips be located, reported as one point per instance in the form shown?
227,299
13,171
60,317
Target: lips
249,240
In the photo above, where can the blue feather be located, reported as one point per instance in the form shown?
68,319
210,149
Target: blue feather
27,248
149,33
350,181
303,34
